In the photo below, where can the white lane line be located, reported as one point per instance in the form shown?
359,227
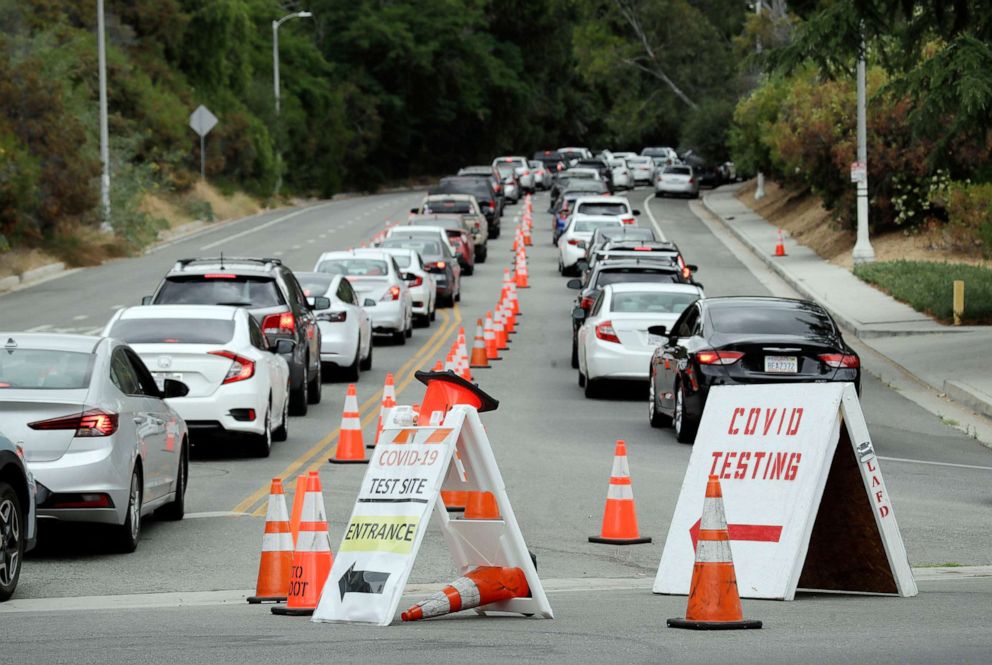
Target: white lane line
81,317
654,222
39,328
311,241
296,247
262,227
117,307
279,253
215,513
920,461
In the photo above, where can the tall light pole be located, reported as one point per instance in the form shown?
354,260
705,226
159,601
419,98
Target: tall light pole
863,251
759,190
275,51
101,41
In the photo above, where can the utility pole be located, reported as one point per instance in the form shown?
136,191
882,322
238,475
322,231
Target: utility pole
759,190
101,41
863,251
275,84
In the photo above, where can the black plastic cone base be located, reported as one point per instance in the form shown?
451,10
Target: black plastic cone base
293,611
455,509
619,541
333,460
370,446
744,624
257,600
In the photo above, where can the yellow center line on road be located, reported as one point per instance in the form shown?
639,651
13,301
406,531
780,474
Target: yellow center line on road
369,409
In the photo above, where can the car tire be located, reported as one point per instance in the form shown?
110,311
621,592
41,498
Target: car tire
655,416
399,337
582,379
281,433
13,535
685,429
409,328
575,353
481,254
261,444
175,509
468,270
433,315
366,364
592,388
298,396
458,296
351,372
315,387
127,535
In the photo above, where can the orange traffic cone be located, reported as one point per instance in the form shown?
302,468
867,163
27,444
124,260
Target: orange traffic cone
312,557
296,516
351,448
482,586
492,348
277,551
522,282
479,356
388,404
620,517
454,502
502,342
514,301
509,319
481,506
780,246
714,603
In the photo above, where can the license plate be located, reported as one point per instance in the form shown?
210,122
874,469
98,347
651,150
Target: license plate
654,340
781,364
160,378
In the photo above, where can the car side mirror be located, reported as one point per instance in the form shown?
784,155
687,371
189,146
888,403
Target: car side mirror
319,302
368,302
692,266
660,331
636,212
147,300
582,265
415,211
173,388
578,314
284,347
574,284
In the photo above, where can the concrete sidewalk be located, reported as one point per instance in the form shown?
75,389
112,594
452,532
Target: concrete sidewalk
951,360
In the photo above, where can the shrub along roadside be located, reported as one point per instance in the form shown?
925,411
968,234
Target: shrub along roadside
929,287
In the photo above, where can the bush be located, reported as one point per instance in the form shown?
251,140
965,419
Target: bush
928,287
969,216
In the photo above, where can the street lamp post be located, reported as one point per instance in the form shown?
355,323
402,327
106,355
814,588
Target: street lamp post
275,85
101,41
863,251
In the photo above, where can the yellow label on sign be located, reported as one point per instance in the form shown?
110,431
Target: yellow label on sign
381,533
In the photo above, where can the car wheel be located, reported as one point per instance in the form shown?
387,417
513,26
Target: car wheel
350,373
592,388
261,444
175,510
469,270
482,255
298,396
12,537
655,416
561,268
316,386
575,352
127,534
433,315
458,296
409,327
685,430
582,379
281,433
366,364
399,337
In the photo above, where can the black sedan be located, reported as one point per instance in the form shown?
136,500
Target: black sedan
742,340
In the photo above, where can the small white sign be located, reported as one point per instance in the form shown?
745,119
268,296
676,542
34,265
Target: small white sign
202,120
859,172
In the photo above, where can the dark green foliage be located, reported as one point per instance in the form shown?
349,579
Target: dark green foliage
928,287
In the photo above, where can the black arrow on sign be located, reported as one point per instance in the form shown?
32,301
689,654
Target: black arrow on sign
362,581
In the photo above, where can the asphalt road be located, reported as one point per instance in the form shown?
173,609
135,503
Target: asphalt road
78,603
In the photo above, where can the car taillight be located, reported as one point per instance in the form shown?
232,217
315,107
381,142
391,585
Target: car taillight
628,220
241,368
274,324
838,360
441,265
712,357
93,422
642,249
692,181
586,302
416,281
526,173
217,275
392,293
574,241
333,317
605,332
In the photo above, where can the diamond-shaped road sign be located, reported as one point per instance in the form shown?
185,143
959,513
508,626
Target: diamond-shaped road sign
202,120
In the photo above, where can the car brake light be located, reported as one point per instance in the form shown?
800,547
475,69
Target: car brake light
642,249
686,273
712,357
692,181
586,302
838,360
284,322
333,317
392,293
93,422
526,172
441,265
574,241
241,368
628,220
81,501
605,332
416,281
219,275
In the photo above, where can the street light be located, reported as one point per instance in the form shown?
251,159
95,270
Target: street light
759,190
275,51
863,251
101,42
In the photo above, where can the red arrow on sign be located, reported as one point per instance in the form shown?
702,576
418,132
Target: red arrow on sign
766,533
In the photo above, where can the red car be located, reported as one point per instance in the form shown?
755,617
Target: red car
459,235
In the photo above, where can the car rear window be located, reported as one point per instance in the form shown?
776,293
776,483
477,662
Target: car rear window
173,331
314,285
590,225
640,161
402,260
651,302
635,275
755,319
444,223
45,369
460,207
603,208
678,170
220,289
506,168
580,175
354,267
628,233
425,247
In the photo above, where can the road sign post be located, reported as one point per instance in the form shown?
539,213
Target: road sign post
202,121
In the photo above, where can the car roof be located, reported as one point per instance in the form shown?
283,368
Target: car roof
626,262
221,312
603,199
579,169
587,217
51,341
675,287
236,265
453,196
654,245
399,251
417,229
349,253
767,301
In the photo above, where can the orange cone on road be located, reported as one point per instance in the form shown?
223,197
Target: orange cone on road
620,516
312,557
481,586
480,358
481,506
351,448
780,246
492,349
277,550
522,280
386,408
714,603
499,328
454,502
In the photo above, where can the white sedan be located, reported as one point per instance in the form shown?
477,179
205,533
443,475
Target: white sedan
577,233
677,180
423,288
345,326
614,341
617,206
238,384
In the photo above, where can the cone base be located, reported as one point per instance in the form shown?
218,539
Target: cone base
479,366
293,611
705,625
333,460
619,541
370,446
455,509
257,600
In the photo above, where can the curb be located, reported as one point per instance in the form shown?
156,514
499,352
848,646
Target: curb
970,396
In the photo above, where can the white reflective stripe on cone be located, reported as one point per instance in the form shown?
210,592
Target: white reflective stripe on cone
620,492
351,422
467,589
313,541
620,467
713,516
276,512
277,542
713,551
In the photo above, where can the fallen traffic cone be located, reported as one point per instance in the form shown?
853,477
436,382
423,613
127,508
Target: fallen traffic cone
277,551
714,603
479,356
454,501
481,506
780,247
312,557
386,408
482,586
351,448
620,516
492,349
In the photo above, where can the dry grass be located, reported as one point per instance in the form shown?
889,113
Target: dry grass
17,261
179,209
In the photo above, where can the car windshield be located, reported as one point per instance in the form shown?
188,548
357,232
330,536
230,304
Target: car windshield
678,170
314,285
443,222
45,369
424,247
603,208
635,275
220,289
590,225
355,267
449,206
173,331
505,169
802,320
651,302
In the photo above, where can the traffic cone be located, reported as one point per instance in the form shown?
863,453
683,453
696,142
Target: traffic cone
388,404
299,490
277,550
514,301
351,448
481,506
481,586
480,358
502,343
522,281
714,603
620,517
509,320
780,246
492,349
312,557
454,502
